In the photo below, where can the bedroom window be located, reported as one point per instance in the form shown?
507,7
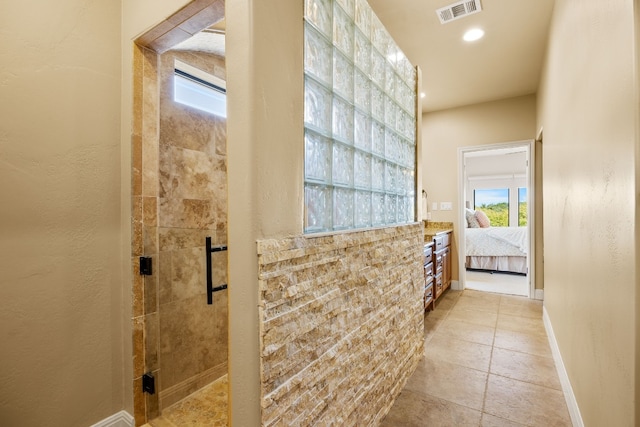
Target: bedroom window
494,203
522,207
359,120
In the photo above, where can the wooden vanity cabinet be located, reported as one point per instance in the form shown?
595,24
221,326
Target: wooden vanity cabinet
429,277
442,263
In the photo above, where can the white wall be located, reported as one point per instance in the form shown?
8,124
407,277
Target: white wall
588,108
443,132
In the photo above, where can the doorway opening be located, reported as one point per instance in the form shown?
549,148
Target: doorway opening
496,194
180,214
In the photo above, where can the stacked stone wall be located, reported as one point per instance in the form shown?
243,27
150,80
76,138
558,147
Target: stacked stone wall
341,321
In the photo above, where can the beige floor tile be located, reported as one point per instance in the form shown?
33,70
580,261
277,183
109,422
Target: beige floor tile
431,325
445,390
521,324
463,353
525,343
451,294
477,317
160,422
480,304
454,383
487,296
525,403
206,407
446,302
439,313
491,421
525,367
416,410
520,306
466,331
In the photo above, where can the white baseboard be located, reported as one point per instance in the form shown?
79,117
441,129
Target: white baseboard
121,419
539,295
455,285
572,404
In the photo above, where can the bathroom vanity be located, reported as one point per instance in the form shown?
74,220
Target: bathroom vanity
436,261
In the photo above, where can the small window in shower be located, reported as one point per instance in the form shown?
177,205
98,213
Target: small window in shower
199,89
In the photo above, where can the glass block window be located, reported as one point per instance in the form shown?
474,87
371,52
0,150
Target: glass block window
359,120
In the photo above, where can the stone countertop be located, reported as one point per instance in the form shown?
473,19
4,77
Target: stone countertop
433,228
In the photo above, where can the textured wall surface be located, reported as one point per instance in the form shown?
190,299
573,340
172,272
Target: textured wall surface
444,132
61,325
589,116
341,322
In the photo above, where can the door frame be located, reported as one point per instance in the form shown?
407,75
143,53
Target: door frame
530,146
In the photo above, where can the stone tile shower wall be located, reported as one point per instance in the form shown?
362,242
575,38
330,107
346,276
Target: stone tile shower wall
144,189
341,324
192,205
180,197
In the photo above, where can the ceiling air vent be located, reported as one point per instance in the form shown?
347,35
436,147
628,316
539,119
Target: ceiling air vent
458,10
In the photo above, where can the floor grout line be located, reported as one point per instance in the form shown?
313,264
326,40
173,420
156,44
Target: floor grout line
501,303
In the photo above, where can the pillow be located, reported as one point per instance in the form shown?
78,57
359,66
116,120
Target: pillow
483,219
472,221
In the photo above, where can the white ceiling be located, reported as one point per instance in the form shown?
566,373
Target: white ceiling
505,63
497,164
205,41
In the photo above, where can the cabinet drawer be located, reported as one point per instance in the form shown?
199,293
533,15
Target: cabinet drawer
428,273
441,241
428,256
438,285
428,295
439,262
427,252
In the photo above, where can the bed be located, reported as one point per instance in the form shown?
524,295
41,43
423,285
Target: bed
502,249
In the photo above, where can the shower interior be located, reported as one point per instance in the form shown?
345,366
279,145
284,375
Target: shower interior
184,201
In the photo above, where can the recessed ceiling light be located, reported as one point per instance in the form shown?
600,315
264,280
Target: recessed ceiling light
422,94
473,35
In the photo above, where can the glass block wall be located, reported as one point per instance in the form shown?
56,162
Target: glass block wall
359,119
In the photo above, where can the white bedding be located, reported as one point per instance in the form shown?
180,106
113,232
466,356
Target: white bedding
496,241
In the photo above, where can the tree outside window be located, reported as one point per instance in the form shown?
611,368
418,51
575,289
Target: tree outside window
494,203
522,207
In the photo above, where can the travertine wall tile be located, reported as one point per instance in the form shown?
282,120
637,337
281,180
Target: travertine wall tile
137,288
139,406
150,211
150,107
136,165
151,288
192,204
180,197
151,342
183,238
341,324
138,346
149,240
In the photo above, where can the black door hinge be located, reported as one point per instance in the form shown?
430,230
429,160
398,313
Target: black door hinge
145,266
148,383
